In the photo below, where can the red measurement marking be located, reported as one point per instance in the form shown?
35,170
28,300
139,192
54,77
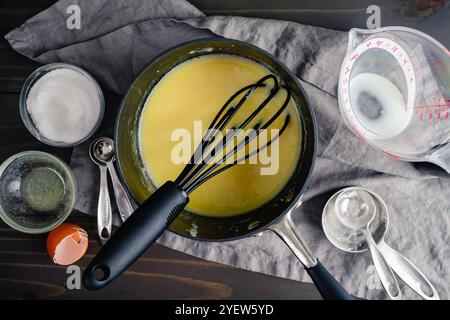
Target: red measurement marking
354,57
395,48
433,106
369,44
379,43
430,112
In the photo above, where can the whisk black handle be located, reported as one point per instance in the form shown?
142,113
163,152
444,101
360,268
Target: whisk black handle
135,235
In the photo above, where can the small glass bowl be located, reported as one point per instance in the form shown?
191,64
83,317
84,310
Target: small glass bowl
26,179
31,80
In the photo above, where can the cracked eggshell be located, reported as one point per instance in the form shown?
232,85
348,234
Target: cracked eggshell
67,244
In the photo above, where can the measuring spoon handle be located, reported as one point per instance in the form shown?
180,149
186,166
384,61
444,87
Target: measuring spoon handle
384,271
122,200
104,211
409,273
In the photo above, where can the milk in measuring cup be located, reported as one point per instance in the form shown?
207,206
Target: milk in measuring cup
379,105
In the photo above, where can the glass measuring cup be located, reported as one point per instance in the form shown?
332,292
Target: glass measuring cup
394,93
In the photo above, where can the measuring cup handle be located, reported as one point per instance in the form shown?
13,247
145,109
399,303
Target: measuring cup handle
384,271
442,159
409,273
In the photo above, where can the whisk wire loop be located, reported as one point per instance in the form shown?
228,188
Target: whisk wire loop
201,166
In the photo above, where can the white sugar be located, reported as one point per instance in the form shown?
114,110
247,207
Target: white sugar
64,105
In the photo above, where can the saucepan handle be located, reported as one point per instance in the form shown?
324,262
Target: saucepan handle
327,285
135,235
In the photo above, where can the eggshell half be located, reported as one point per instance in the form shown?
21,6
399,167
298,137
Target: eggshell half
67,244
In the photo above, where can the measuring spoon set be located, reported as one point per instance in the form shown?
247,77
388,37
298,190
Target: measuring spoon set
356,220
102,153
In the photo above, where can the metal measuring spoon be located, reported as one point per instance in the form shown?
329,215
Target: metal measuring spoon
356,209
104,152
405,269
104,211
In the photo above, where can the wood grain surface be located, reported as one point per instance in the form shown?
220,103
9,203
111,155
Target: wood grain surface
26,272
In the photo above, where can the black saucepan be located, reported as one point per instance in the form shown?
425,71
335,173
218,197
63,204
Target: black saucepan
143,228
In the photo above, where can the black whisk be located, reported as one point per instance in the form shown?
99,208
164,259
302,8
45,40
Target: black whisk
195,174
147,223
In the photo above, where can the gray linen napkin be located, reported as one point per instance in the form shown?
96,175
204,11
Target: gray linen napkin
117,38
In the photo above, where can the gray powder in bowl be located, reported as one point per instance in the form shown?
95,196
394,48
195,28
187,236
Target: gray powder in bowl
64,106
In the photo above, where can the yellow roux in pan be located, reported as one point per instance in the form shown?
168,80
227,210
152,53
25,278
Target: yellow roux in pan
195,91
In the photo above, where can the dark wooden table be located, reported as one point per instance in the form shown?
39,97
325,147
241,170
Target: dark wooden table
26,271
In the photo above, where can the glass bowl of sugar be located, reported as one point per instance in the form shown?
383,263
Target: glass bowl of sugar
61,105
